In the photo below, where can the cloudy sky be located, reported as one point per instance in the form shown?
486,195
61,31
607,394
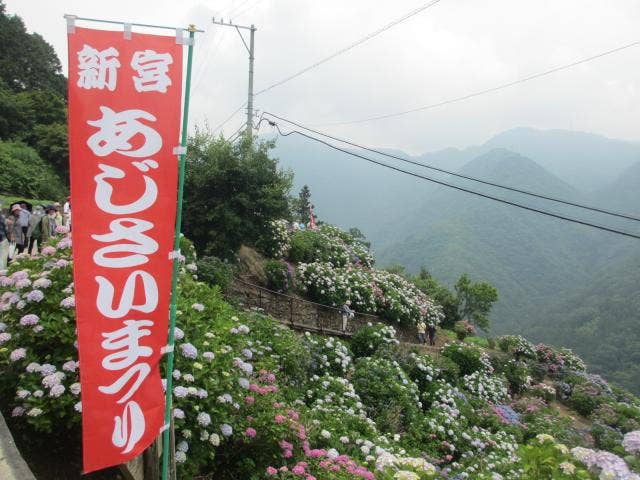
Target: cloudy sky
454,48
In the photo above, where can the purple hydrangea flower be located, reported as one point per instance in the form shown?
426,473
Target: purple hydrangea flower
45,369
70,366
18,354
180,392
17,412
178,334
56,390
48,250
178,413
69,302
35,295
209,355
4,337
42,283
189,351
23,283
29,320
226,429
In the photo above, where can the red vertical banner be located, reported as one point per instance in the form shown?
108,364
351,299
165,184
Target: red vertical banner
125,93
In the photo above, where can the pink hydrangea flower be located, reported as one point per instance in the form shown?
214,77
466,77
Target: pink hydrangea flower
251,432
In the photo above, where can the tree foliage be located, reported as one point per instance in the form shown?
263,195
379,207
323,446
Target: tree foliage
26,173
302,204
475,300
33,106
232,194
469,301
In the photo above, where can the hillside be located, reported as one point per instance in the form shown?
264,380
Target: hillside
254,400
536,262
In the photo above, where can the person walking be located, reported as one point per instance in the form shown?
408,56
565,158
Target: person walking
347,313
16,235
422,331
66,213
23,220
432,334
47,225
33,232
4,242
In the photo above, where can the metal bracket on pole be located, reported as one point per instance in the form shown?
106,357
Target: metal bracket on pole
181,39
127,31
180,150
71,23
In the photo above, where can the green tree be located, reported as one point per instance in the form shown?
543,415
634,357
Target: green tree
27,61
475,300
359,236
231,196
302,204
26,174
441,295
33,106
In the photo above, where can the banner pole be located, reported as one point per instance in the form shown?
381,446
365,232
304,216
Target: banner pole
176,263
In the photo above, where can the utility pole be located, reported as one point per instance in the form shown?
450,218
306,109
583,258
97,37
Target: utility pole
250,50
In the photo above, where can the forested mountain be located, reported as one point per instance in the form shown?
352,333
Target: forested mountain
549,273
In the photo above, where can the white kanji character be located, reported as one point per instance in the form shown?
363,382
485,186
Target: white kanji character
116,129
98,69
152,71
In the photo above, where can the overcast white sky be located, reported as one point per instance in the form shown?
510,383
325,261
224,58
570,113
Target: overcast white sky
451,49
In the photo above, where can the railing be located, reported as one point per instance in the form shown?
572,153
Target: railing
297,312
306,315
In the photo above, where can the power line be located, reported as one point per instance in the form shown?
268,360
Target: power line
350,46
459,175
456,187
250,7
224,122
482,92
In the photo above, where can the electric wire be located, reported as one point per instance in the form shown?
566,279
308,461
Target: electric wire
225,121
459,175
350,46
250,7
485,91
456,187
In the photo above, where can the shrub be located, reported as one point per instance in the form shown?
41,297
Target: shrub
517,374
584,399
277,274
390,398
607,438
463,329
517,346
215,271
449,370
468,358
373,339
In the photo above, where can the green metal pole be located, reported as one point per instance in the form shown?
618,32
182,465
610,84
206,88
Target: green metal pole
176,262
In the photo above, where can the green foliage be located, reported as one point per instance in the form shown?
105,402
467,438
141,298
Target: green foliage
584,399
441,295
215,271
277,274
32,95
388,395
543,458
232,194
372,339
475,300
300,206
26,173
27,61
468,358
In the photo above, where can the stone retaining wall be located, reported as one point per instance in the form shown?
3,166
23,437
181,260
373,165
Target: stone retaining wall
12,465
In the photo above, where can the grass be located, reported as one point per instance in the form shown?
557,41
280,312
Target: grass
480,341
